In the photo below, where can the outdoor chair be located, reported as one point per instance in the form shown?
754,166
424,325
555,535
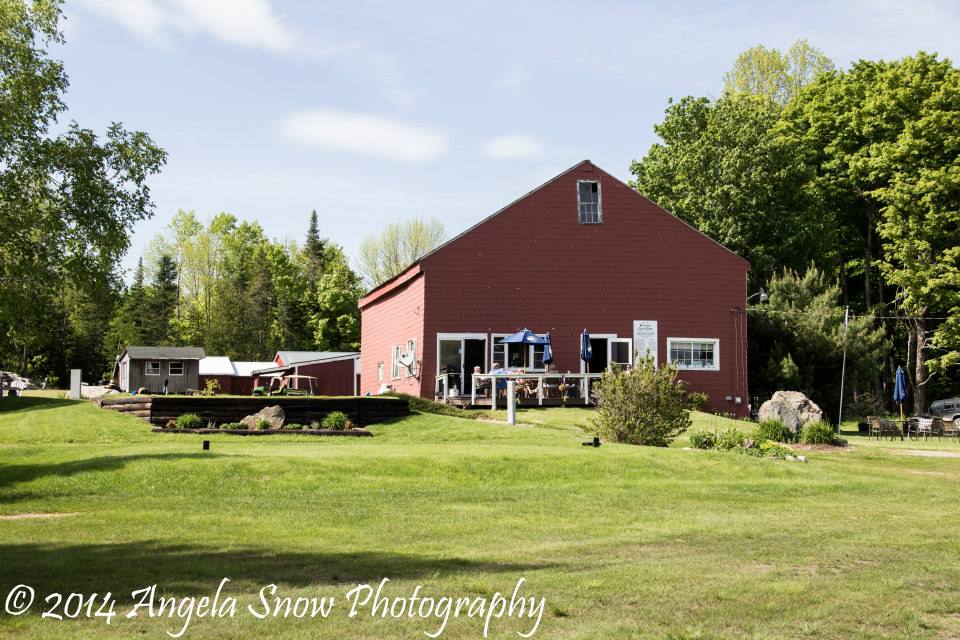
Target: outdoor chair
888,428
936,429
873,426
924,427
951,429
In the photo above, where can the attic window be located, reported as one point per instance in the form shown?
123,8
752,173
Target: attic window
588,200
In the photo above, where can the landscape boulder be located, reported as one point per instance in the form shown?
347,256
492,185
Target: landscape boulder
274,415
792,408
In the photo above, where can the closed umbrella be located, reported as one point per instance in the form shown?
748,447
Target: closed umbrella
586,351
900,390
548,351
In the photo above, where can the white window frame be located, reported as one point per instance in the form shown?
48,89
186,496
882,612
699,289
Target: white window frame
183,368
411,348
395,362
629,343
599,219
146,367
380,371
503,362
609,337
716,353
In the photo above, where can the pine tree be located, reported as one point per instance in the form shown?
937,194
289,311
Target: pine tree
162,302
314,249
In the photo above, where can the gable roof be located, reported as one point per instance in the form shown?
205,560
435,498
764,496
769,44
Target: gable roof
165,353
406,274
246,369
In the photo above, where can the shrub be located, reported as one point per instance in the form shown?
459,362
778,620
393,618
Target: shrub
232,426
817,433
336,420
698,400
293,426
730,439
263,424
703,439
212,387
774,449
644,405
190,421
315,425
773,430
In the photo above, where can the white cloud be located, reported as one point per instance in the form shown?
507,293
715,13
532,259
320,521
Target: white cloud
248,23
518,146
365,134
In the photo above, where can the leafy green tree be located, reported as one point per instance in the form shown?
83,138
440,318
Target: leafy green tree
759,71
163,297
796,341
337,321
68,198
400,244
721,168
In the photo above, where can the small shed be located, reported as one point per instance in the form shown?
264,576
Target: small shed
154,368
337,372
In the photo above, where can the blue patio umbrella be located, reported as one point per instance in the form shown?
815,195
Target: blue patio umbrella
524,337
900,389
548,351
586,351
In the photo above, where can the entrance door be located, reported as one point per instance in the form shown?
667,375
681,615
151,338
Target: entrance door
598,363
457,355
474,355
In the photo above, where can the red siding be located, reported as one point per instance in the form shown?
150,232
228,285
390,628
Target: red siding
333,378
390,320
533,265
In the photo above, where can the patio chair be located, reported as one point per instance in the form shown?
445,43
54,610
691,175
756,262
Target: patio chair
936,429
873,426
924,427
951,429
889,428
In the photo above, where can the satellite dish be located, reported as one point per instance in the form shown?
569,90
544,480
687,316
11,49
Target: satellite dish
408,360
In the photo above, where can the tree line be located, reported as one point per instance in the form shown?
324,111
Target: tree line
841,187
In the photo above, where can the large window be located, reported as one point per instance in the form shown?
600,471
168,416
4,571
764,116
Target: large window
152,368
395,363
588,201
176,368
517,356
694,353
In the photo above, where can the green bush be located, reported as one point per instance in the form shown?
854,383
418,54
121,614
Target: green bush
773,430
644,405
817,433
263,424
730,439
703,439
293,426
698,400
773,449
190,421
336,420
232,426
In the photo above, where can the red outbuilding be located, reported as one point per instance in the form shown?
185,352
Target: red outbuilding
582,251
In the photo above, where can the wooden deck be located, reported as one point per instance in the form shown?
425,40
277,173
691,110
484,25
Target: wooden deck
464,402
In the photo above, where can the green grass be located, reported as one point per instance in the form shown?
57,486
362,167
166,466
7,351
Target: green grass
621,541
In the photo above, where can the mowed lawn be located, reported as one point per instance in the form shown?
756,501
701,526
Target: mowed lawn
621,541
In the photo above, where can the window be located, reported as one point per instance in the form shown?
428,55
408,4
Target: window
516,356
380,371
176,368
694,353
153,368
395,363
588,200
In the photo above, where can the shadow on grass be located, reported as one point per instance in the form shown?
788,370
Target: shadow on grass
11,474
193,570
19,404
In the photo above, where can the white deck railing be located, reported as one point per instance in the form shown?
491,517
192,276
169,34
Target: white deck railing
559,383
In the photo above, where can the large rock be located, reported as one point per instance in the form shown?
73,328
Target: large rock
274,415
792,408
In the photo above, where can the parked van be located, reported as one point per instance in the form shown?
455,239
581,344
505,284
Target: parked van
947,409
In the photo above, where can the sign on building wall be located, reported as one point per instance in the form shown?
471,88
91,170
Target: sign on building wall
645,339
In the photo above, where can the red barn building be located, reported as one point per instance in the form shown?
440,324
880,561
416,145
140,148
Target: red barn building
582,251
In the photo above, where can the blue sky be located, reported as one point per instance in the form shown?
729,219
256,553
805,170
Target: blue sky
373,112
